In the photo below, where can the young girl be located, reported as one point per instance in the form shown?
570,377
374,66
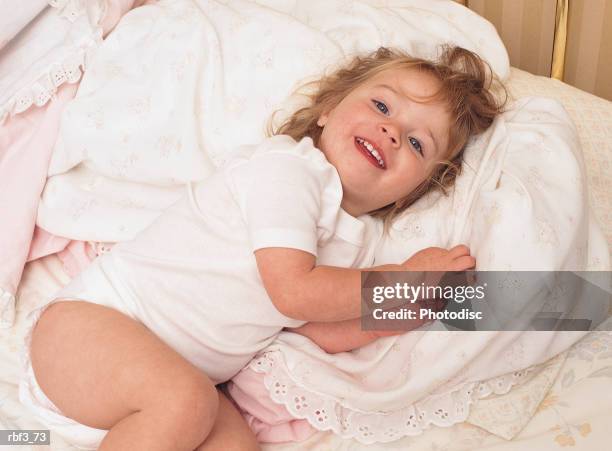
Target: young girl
126,357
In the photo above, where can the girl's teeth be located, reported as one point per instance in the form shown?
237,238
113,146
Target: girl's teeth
371,149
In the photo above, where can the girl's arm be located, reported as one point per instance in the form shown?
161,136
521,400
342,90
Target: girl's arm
340,336
337,336
303,291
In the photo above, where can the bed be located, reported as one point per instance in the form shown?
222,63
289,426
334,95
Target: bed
552,407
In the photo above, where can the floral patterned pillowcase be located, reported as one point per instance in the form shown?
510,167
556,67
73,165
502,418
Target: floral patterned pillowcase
562,390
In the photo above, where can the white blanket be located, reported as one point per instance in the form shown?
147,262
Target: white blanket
179,84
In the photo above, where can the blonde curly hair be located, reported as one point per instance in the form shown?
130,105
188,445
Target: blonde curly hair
465,87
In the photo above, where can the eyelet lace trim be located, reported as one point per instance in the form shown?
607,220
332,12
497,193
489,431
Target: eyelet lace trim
68,71
7,308
325,413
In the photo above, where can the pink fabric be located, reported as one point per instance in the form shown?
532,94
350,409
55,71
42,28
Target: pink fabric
270,422
76,256
26,143
44,243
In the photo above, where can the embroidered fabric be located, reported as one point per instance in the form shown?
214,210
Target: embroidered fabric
69,69
325,413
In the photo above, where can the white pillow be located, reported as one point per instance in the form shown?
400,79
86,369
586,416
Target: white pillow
521,202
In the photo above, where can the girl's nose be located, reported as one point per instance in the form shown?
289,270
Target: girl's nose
391,134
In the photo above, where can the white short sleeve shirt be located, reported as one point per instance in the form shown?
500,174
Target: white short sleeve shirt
191,277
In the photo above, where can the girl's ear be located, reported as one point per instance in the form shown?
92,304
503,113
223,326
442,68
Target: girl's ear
322,120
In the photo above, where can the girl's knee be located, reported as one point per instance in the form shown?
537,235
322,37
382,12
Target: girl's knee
192,404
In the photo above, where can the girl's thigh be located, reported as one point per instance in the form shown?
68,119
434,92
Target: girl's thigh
98,366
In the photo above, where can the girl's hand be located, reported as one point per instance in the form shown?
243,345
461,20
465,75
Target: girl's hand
433,260
387,333
457,258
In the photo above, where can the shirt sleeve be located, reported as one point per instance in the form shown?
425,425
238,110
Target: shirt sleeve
283,191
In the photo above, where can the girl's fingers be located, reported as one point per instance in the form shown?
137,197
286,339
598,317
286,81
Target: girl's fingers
463,263
459,251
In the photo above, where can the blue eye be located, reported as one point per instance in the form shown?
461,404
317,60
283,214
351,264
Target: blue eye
381,107
416,144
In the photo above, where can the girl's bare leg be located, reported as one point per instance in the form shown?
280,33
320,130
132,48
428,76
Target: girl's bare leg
107,371
230,432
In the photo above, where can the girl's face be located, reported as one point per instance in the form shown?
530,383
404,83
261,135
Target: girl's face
382,143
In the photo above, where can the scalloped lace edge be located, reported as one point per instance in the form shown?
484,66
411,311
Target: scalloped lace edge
7,308
327,414
70,70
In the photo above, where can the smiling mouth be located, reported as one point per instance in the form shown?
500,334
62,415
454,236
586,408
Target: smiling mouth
373,155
